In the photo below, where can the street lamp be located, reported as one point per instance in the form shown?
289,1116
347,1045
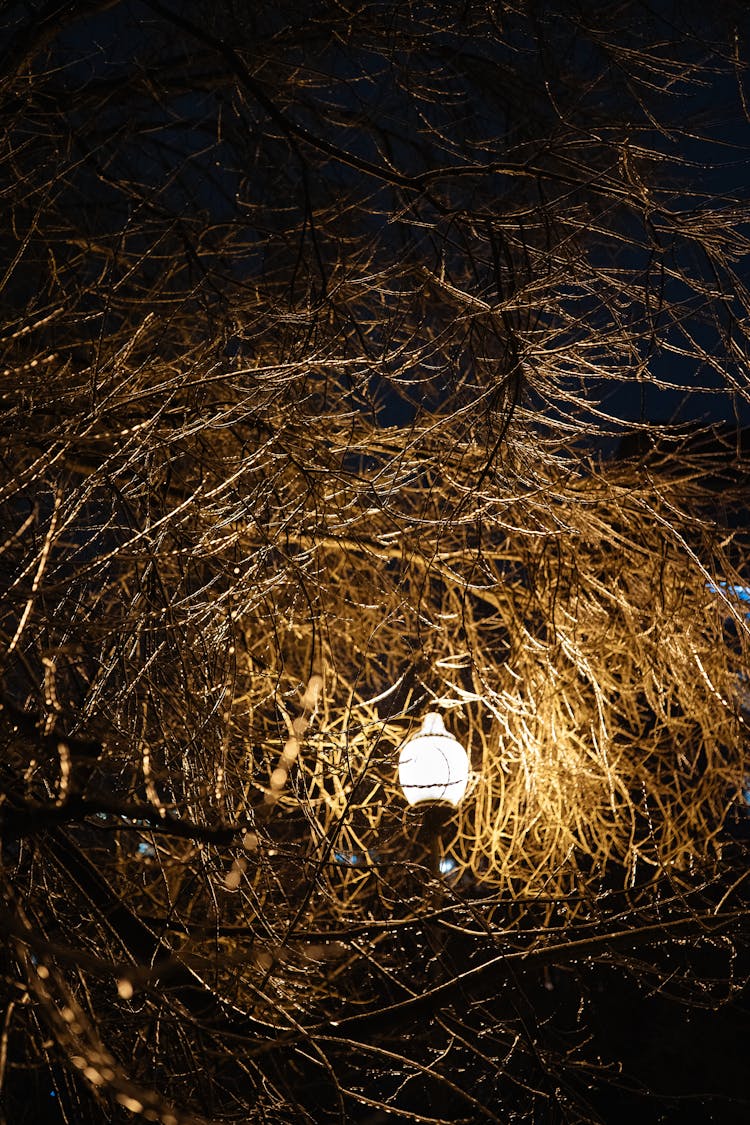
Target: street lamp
433,765
433,770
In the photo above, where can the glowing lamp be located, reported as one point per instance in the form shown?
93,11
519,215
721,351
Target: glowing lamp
433,765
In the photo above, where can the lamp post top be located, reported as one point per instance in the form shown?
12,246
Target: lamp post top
433,765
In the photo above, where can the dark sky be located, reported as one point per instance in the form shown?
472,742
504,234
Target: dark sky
183,134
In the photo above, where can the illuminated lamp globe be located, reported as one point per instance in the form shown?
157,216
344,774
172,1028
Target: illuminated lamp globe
433,765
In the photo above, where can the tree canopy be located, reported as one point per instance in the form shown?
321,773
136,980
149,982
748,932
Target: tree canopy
359,361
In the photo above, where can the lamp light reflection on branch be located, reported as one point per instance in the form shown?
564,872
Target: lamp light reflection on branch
433,765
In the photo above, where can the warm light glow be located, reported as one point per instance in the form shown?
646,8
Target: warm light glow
433,765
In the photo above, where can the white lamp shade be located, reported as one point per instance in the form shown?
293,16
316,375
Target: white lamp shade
433,765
